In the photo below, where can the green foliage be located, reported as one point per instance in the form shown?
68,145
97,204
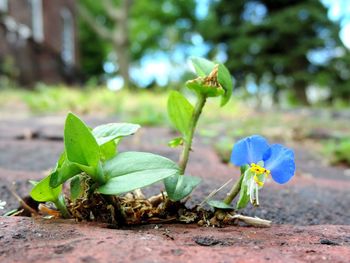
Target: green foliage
199,86
219,204
132,162
176,142
244,197
214,80
185,118
179,186
132,170
266,48
81,146
147,114
63,171
180,112
169,20
202,66
225,79
43,192
338,151
112,131
92,163
94,153
75,187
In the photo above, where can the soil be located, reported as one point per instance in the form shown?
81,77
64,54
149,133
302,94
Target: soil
318,195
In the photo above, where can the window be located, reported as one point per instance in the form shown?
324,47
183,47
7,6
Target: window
4,5
67,50
37,20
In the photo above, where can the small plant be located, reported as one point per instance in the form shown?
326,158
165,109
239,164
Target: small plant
258,161
105,184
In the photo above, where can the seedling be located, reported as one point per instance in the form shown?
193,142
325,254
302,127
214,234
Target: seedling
104,184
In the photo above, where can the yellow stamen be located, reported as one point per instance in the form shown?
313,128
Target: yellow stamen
258,169
256,179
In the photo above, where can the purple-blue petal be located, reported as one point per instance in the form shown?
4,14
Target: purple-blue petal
280,161
249,150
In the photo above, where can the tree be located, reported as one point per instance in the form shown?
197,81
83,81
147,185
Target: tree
279,41
133,29
118,35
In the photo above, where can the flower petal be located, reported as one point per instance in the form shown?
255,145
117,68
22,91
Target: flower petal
249,150
280,161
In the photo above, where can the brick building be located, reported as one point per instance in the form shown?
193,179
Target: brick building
39,39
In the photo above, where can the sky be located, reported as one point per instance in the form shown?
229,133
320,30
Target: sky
162,68
339,10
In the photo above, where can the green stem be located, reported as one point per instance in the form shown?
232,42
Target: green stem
61,206
188,139
234,191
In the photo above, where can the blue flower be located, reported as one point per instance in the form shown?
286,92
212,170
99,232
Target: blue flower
264,159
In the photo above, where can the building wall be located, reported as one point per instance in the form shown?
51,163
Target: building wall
39,59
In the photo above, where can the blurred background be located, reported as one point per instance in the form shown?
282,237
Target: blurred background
290,61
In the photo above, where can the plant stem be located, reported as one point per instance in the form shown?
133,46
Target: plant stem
234,191
188,139
61,206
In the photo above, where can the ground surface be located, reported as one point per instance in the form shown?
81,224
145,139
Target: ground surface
311,214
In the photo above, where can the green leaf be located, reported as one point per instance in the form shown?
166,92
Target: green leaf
176,142
111,131
43,192
198,85
108,150
130,162
243,194
132,170
225,80
75,187
33,183
129,182
180,112
243,198
80,145
179,186
63,172
219,204
202,66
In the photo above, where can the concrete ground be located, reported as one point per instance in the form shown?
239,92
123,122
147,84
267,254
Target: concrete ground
310,214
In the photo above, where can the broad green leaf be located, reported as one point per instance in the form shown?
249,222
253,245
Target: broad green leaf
43,192
179,186
180,112
139,179
225,80
131,170
131,162
202,66
219,204
80,145
111,131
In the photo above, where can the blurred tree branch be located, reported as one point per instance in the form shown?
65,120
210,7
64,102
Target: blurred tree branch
117,35
94,24
113,12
